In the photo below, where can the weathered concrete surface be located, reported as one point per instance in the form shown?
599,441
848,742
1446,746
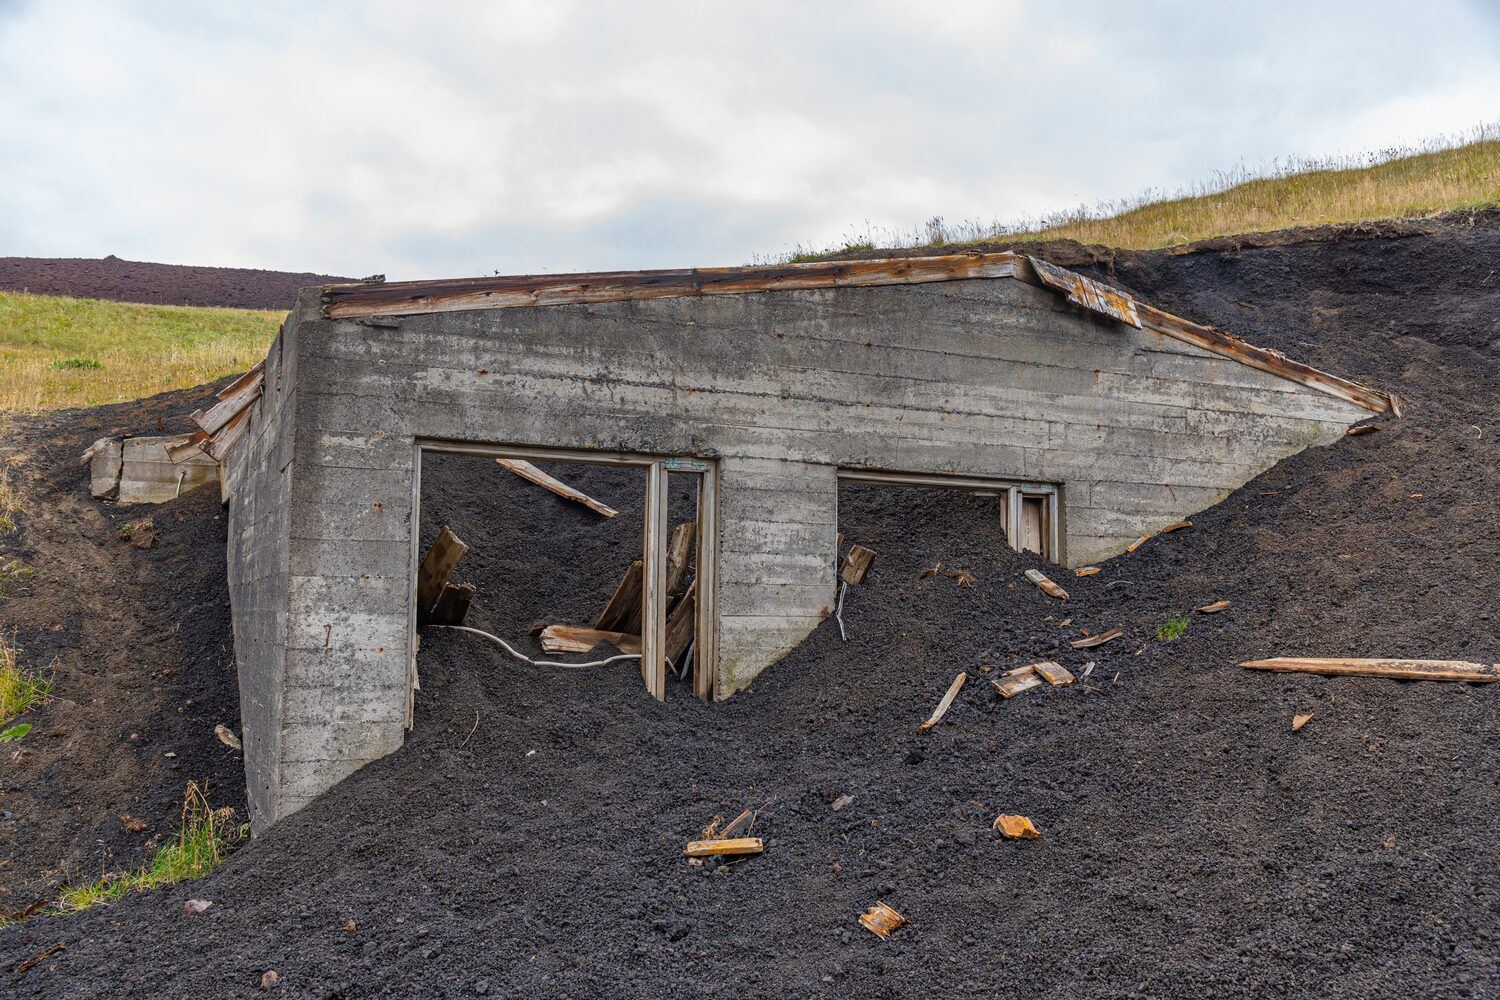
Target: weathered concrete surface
988,378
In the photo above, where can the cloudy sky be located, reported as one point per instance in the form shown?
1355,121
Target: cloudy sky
427,138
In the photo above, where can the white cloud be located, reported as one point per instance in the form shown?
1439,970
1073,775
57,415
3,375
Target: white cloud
457,138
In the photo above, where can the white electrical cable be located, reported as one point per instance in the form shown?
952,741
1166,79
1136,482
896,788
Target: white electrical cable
539,663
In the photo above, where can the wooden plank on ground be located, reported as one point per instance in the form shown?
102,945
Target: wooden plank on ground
1039,578
1016,681
1097,640
1055,673
452,604
532,474
623,612
1405,670
447,549
943,706
576,639
857,563
728,845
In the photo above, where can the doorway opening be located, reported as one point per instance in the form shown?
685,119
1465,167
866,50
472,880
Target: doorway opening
635,542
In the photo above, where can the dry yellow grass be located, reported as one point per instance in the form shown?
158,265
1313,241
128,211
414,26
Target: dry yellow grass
62,352
1440,175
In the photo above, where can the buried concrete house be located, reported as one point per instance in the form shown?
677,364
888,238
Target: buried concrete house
1092,418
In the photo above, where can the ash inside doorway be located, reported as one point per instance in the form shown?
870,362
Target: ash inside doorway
628,560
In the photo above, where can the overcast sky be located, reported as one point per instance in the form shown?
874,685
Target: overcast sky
425,139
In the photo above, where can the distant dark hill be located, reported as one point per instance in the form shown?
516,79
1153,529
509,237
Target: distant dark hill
157,284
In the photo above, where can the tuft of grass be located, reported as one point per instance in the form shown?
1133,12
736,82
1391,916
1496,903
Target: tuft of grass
10,502
13,571
1172,628
20,689
204,838
13,734
63,352
1441,174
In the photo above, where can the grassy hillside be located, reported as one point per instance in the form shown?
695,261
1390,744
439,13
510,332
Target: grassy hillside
59,352
1391,184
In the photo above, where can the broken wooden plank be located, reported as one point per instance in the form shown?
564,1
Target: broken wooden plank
1097,640
1039,578
1137,543
239,384
192,447
880,920
1016,827
1176,527
1054,673
1013,683
856,564
1405,670
452,604
1212,609
740,823
231,405
1086,571
679,555
623,612
682,624
943,706
447,549
218,445
576,639
724,846
532,474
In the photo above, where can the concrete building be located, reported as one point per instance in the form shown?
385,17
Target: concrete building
1098,418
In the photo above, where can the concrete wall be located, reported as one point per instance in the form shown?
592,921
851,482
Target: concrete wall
977,377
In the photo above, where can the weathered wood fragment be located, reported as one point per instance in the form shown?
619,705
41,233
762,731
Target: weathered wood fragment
930,571
1298,721
880,920
1176,527
1097,640
740,824
232,404
963,578
532,474
218,445
1013,683
1137,543
1405,670
724,846
946,703
576,639
447,549
1087,571
1039,578
452,604
192,447
856,564
682,623
1016,827
1212,609
1054,673
1362,429
623,612
679,555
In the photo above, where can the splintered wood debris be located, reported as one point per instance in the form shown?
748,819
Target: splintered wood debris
1404,670
574,639
452,604
963,578
1087,292
1097,640
1212,609
856,564
1298,721
623,612
880,920
727,846
532,474
930,571
1054,673
1039,578
1087,571
1176,527
1362,429
1137,543
943,706
439,563
1018,680
1016,827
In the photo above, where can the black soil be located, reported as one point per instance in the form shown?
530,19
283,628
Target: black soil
156,284
527,840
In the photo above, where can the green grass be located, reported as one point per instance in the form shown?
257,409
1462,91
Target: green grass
62,352
1443,174
204,838
20,689
1172,628
13,571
